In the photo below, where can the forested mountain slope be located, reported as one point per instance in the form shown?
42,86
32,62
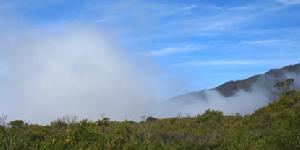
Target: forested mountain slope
264,81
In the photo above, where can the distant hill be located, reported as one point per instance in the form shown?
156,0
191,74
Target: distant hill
265,81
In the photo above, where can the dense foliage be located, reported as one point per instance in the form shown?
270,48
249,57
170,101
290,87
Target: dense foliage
276,126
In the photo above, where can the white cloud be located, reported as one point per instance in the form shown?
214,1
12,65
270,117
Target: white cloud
237,62
104,20
218,63
261,42
289,2
176,50
215,24
76,71
189,8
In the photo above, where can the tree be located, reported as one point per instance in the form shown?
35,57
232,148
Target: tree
17,123
3,120
69,119
285,86
103,122
150,119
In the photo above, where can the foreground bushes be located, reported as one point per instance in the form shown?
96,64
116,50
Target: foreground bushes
276,126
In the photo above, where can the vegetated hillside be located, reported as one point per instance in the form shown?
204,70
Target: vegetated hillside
229,88
274,127
266,81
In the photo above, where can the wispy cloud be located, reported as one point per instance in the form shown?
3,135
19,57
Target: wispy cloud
261,42
190,7
235,62
176,50
217,63
213,24
241,8
105,19
289,2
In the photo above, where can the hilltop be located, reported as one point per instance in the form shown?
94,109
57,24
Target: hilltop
265,81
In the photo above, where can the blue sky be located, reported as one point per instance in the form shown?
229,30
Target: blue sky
207,42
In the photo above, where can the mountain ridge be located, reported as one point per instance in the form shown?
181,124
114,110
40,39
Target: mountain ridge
229,88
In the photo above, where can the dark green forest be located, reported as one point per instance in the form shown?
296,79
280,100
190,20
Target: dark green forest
276,126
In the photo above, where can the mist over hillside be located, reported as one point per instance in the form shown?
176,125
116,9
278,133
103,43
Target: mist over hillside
47,81
241,96
109,74
90,59
275,127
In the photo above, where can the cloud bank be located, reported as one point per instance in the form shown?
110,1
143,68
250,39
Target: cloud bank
45,75
261,93
78,71
47,71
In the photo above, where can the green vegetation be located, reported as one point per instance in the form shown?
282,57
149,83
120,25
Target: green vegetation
276,126
285,86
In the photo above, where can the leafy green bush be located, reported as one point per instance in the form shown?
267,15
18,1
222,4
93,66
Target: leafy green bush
276,126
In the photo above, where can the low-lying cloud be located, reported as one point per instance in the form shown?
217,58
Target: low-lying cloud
261,93
46,74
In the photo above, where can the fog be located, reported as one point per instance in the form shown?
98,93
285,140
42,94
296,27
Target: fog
261,93
75,71
81,71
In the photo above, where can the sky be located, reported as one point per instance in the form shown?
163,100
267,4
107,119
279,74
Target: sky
205,42
90,54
